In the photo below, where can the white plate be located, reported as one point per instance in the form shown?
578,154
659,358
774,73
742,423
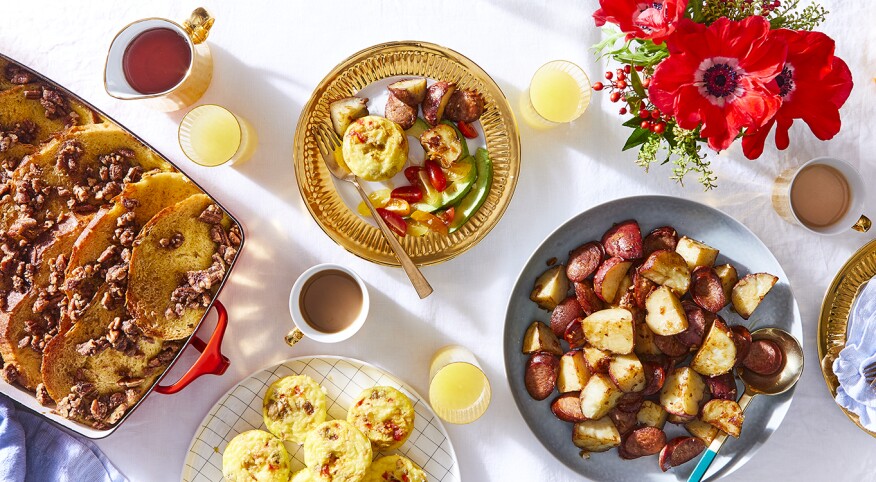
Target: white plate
343,378
737,245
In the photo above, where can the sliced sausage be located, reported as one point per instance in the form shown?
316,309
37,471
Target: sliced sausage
564,314
742,340
722,386
680,450
631,402
574,335
642,287
670,345
765,357
655,376
645,441
623,421
660,238
706,289
584,260
586,296
697,320
567,407
541,375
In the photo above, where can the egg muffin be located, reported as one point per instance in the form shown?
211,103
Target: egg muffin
394,468
255,455
306,475
375,148
293,405
337,451
385,415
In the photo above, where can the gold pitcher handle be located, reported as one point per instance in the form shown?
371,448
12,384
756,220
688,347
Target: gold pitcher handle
198,25
293,337
863,224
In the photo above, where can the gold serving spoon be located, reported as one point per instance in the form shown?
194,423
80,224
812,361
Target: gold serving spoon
755,384
328,142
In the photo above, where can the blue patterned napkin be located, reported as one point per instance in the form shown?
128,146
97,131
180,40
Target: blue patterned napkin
854,392
32,449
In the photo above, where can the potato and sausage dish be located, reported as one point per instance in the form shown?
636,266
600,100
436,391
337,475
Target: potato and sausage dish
635,340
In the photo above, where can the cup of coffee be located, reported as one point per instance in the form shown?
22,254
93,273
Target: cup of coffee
163,63
328,303
824,195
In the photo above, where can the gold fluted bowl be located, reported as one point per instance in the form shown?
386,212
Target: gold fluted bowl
420,59
835,311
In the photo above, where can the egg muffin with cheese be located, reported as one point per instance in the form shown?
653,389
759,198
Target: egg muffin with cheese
394,468
375,148
306,475
385,415
292,406
337,451
257,456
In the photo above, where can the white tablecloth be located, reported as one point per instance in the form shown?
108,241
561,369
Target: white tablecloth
268,58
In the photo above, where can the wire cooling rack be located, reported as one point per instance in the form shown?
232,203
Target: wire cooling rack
344,379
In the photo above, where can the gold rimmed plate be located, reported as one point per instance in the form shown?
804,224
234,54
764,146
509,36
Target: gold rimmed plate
835,311
365,73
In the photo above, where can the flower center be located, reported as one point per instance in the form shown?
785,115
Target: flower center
649,16
786,80
720,80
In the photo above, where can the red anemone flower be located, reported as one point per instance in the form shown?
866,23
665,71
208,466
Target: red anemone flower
718,76
654,19
813,84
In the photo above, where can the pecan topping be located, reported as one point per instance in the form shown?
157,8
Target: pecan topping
17,74
173,242
131,382
68,155
54,103
42,396
9,373
211,215
92,347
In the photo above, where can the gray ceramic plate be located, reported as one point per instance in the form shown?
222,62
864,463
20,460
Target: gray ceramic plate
738,246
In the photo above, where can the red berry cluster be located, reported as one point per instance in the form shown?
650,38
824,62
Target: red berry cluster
652,118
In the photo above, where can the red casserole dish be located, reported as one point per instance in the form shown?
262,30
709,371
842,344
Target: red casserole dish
211,360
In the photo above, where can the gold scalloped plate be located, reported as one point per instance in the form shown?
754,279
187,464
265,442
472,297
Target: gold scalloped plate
373,64
835,310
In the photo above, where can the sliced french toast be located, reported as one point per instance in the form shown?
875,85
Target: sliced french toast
178,261
50,111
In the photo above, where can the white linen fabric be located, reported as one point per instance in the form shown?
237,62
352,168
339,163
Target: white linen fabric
269,56
855,391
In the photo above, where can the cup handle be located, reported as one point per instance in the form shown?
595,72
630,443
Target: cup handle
198,25
863,224
293,337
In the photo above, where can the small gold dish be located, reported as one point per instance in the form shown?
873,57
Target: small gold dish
416,59
835,311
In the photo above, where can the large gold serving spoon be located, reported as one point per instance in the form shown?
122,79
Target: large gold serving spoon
755,384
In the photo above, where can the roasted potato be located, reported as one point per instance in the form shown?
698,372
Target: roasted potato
410,91
667,268
567,407
574,335
464,106
623,240
574,372
442,145
765,357
610,330
696,253
642,287
682,393
627,373
596,359
706,289
717,355
644,345
664,313
651,415
702,430
599,396
660,238
729,277
609,277
538,338
550,288
680,450
750,291
679,419
566,312
724,415
583,261
596,435
541,375
400,113
697,320
344,111
437,97
587,298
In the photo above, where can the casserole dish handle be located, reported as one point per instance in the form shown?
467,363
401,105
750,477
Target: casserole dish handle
211,361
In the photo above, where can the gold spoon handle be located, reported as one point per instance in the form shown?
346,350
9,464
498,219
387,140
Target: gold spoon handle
421,284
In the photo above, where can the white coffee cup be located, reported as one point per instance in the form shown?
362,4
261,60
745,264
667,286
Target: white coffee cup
303,328
853,217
